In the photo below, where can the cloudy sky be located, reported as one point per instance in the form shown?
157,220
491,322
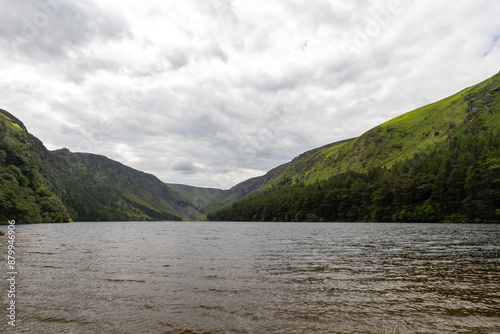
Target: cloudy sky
212,92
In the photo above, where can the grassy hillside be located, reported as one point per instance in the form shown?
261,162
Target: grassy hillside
424,129
200,198
95,188
439,162
242,189
38,185
98,188
23,195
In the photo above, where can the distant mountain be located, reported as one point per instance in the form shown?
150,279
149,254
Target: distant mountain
96,188
79,186
227,197
277,175
439,162
199,197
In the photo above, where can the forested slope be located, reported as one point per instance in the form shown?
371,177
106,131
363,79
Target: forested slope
23,195
38,185
437,163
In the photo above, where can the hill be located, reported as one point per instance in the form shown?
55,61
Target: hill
227,197
80,186
23,195
428,128
278,175
197,196
439,162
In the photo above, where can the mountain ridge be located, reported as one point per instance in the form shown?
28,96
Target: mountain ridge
392,140
52,186
90,187
333,174
247,187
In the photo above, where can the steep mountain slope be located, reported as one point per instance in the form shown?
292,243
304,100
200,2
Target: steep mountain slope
278,175
199,197
23,195
426,128
439,162
242,189
95,188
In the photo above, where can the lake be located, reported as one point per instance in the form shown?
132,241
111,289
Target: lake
213,277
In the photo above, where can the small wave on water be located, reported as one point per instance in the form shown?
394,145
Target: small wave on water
229,278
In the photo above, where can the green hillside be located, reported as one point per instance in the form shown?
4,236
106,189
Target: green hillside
23,195
38,185
200,198
439,162
424,129
227,197
99,189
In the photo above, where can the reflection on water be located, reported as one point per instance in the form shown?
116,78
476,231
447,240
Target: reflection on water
256,278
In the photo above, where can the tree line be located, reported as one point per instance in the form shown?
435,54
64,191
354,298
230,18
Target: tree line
459,182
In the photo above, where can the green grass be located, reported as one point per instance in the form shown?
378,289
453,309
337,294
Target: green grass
419,130
196,195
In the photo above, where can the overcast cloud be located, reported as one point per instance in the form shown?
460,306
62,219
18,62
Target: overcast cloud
210,93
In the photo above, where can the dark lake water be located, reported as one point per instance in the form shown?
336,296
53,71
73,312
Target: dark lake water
205,277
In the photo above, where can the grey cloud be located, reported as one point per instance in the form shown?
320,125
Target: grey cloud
274,83
178,112
77,69
288,79
216,51
45,31
178,59
320,12
221,10
184,166
494,41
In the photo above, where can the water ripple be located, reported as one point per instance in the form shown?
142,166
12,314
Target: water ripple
257,278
